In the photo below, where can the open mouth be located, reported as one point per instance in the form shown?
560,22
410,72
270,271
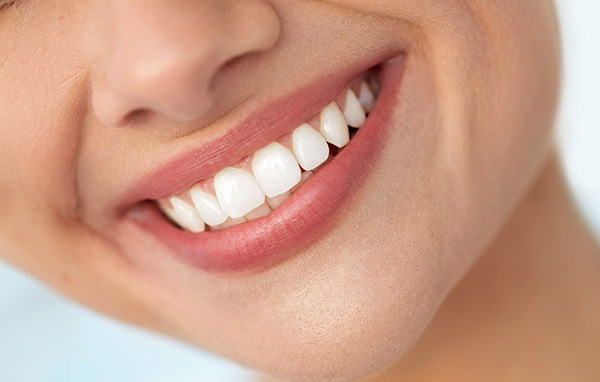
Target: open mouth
253,187
266,205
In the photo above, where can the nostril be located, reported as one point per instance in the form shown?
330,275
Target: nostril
167,61
232,63
135,116
116,114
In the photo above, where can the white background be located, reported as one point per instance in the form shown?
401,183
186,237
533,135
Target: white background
44,338
578,130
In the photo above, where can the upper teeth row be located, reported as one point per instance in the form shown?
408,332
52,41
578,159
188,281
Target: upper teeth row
241,195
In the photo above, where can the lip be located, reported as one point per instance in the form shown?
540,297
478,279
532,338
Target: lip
300,219
251,130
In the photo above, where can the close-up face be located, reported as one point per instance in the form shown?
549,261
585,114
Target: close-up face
187,166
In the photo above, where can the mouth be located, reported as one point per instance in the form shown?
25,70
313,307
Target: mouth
256,185
262,208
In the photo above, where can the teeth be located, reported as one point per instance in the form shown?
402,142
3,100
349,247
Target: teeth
237,192
208,207
275,169
242,195
366,97
170,212
354,112
333,126
186,215
310,148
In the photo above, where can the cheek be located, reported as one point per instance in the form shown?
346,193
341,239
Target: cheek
42,104
469,141
515,93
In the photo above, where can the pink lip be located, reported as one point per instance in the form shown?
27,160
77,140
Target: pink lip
253,130
295,223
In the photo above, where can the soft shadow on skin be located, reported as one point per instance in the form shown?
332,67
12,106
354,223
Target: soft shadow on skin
534,295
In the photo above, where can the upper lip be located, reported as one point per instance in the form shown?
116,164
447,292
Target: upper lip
253,126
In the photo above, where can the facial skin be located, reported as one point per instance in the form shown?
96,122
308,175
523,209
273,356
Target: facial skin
93,94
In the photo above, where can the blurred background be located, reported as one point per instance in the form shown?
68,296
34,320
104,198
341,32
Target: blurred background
578,129
44,338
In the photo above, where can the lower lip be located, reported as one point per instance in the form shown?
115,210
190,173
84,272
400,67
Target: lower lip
302,218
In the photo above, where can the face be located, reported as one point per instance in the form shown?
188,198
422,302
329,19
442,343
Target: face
116,114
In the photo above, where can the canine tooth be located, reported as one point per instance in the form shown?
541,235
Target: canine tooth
276,201
187,216
310,148
354,112
169,211
208,207
333,126
366,97
237,191
259,212
275,169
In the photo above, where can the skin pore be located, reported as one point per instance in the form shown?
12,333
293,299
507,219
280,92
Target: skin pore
458,256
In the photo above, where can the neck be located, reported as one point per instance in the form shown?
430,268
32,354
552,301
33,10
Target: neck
528,310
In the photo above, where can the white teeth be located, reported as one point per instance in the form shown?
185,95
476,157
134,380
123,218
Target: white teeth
354,112
275,169
333,126
242,195
170,212
366,97
237,192
186,215
208,207
310,148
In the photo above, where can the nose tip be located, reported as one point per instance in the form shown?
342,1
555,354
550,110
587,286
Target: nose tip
164,58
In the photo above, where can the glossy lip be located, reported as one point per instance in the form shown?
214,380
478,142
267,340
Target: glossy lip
299,220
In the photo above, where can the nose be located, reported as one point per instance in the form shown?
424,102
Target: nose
163,56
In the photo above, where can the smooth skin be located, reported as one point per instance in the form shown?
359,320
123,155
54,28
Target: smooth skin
461,258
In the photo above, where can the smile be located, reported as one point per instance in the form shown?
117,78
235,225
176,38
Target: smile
270,203
253,187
